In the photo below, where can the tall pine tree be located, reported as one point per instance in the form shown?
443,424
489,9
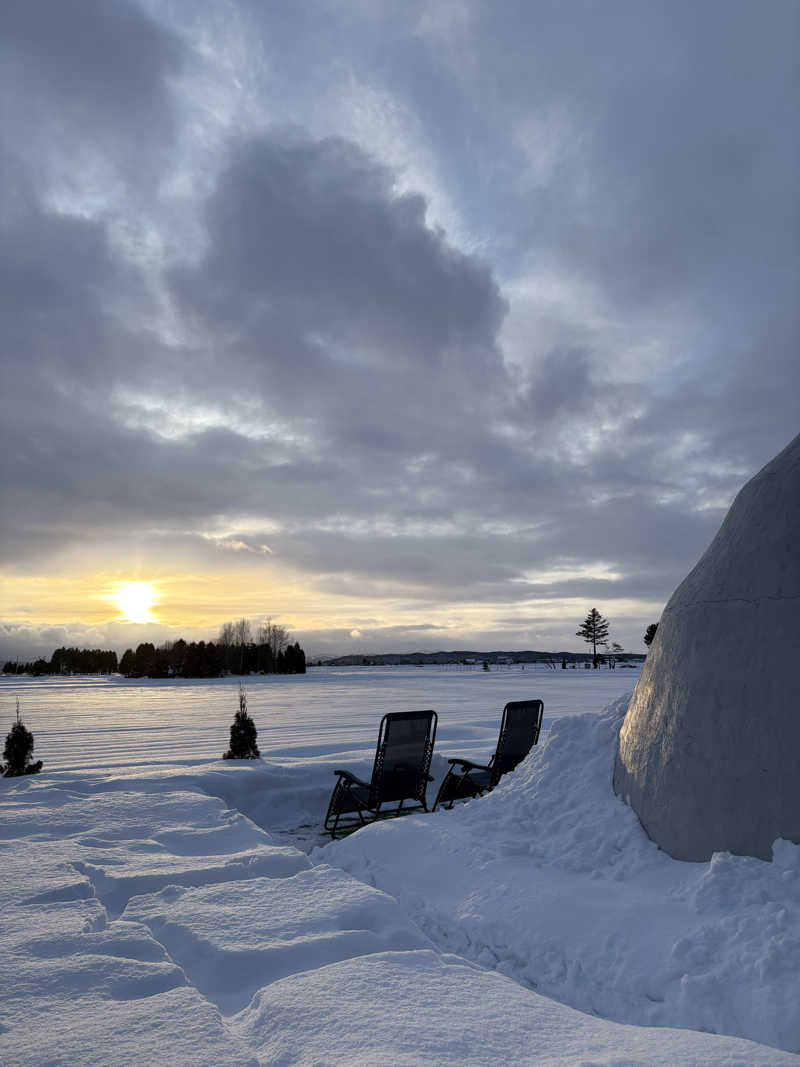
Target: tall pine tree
594,631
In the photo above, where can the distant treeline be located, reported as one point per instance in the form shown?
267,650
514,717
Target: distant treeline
205,659
68,661
468,658
238,650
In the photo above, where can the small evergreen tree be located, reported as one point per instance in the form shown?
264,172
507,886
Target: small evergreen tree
18,751
650,633
243,732
594,631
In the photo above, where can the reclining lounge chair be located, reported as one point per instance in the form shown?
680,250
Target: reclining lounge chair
519,732
400,773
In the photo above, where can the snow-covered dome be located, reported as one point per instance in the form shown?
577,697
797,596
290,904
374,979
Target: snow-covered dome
709,751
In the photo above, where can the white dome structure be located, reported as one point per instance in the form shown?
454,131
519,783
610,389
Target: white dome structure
709,751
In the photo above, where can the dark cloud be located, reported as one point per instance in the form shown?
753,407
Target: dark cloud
315,229
329,291
84,85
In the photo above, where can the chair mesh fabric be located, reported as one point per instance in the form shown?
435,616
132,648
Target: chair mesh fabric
404,757
400,773
522,721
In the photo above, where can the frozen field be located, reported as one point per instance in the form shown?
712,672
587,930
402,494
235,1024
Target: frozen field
112,722
160,905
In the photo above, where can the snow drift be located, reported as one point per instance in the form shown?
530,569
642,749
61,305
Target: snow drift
551,879
145,918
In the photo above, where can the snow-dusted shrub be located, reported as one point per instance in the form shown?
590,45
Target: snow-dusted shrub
243,732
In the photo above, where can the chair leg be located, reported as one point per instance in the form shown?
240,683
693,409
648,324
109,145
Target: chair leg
347,827
457,784
334,810
441,790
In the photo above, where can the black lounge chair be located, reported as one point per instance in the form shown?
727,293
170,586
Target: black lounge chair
519,732
400,773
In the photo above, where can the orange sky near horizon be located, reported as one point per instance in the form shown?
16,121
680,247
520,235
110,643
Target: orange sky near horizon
189,599
196,604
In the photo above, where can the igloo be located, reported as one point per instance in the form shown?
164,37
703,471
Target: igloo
709,751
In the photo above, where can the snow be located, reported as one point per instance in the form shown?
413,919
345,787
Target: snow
234,939
105,722
159,904
411,1008
551,880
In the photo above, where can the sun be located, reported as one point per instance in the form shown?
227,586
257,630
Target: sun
135,600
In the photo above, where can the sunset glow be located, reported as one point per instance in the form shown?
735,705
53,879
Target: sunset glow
135,600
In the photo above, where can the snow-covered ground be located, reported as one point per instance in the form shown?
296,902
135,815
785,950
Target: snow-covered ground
159,905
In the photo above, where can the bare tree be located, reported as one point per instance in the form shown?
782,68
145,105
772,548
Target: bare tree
275,637
242,636
238,636
279,639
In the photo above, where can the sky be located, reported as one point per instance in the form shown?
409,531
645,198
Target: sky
406,325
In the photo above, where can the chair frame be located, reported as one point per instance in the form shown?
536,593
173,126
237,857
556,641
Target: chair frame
462,784
339,823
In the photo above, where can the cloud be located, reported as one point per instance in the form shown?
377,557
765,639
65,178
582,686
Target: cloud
29,641
235,544
322,282
235,335
88,105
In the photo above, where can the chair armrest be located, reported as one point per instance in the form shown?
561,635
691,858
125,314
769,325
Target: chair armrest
352,778
468,765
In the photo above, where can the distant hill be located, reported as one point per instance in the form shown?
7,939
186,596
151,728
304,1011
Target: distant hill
399,659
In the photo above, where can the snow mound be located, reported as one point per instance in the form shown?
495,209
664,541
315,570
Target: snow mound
410,1008
551,879
145,920
561,793
177,1027
234,938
